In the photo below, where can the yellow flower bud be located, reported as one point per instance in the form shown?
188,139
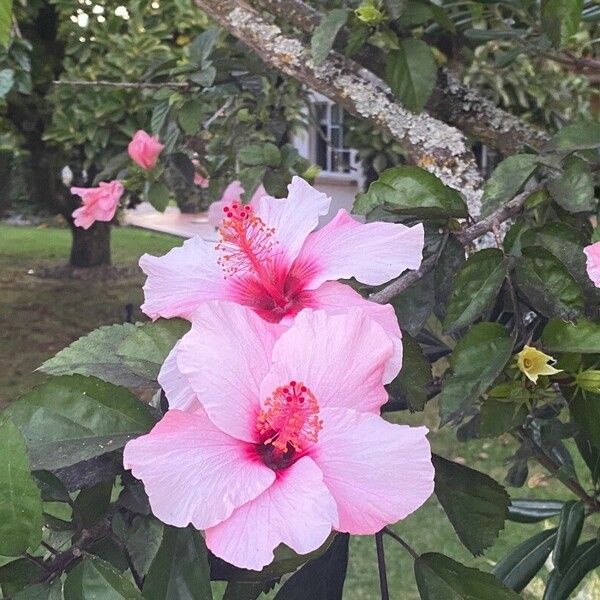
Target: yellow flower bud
533,363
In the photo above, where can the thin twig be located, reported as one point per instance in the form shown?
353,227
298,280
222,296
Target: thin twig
404,544
127,84
383,584
218,113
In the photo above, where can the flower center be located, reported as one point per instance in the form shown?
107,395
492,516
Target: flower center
289,422
527,363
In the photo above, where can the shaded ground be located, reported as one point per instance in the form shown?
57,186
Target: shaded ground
40,315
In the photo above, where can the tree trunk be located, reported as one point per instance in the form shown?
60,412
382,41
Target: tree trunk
91,247
6,160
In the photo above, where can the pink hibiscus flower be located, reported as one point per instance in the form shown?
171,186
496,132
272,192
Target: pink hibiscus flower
201,181
232,195
98,203
592,253
144,149
274,434
270,259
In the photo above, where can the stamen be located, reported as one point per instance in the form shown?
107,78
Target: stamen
290,418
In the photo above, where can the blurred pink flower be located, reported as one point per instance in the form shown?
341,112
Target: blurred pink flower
201,181
98,203
144,149
270,259
274,435
592,253
233,193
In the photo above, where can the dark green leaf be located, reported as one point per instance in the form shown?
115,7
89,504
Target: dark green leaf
477,360
415,375
414,305
574,189
322,578
42,591
5,21
271,155
409,190
411,73
95,578
590,454
585,410
251,178
146,347
560,336
179,570
158,194
586,558
20,498
72,418
205,77
584,135
142,540
485,35
242,590
522,564
92,503
475,288
475,504
533,511
499,417
547,285
506,181
159,116
189,116
251,155
569,530
324,34
7,78
51,487
448,264
96,354
441,578
203,45
394,8
16,575
560,19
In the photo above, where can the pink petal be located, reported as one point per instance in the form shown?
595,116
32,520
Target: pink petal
373,253
258,194
593,262
377,472
341,358
83,217
225,356
177,389
193,472
233,192
335,298
297,510
182,279
294,217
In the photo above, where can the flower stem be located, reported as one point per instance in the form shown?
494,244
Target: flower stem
383,584
404,544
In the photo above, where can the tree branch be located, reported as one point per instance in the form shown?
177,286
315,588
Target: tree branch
138,85
451,101
429,143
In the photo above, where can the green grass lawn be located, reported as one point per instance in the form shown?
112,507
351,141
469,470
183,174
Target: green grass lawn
41,315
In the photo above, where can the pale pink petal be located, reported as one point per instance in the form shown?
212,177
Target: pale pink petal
225,356
377,472
233,192
82,217
215,213
193,472
258,194
177,389
340,358
297,510
592,253
182,279
201,181
292,218
373,253
335,298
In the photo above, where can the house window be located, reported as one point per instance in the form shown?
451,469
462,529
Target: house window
329,151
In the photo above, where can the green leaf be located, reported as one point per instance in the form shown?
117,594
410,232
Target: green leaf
251,155
533,511
158,194
251,178
522,564
394,8
582,336
585,410
574,189
203,45
449,262
441,578
243,590
583,135
547,284
271,155
415,375
42,591
51,487
477,360
95,578
146,347
73,418
159,116
506,181
560,19
414,305
143,539
590,454
569,530
20,498
475,504
322,578
409,190
189,116
96,354
5,21
179,570
475,288
411,73
7,78
499,417
325,33
92,503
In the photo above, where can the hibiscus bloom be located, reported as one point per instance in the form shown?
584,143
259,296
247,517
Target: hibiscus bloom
144,149
270,259
533,363
232,195
274,435
592,253
98,203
